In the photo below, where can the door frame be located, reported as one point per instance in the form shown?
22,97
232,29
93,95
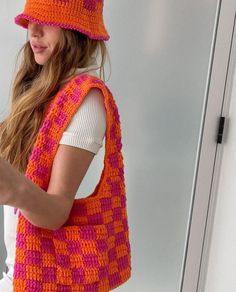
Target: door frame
208,160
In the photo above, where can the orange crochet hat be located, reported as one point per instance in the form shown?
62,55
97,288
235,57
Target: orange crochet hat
85,16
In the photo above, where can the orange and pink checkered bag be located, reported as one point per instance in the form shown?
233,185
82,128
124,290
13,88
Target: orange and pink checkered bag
91,251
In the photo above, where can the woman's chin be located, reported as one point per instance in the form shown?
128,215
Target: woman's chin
41,60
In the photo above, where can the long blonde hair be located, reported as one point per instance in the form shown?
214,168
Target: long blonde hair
35,85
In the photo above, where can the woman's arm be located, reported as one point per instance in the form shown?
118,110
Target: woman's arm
46,209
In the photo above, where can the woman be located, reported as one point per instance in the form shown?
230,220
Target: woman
63,42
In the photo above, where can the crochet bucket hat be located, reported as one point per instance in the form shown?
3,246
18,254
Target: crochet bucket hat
85,16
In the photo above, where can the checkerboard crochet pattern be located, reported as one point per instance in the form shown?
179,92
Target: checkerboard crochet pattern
91,251
83,15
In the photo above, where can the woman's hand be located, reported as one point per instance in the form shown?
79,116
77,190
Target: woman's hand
10,181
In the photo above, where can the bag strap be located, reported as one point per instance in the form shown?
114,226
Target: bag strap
58,115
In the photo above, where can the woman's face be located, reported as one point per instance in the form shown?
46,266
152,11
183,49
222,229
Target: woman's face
43,39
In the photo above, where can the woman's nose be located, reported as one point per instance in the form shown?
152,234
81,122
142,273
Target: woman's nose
34,28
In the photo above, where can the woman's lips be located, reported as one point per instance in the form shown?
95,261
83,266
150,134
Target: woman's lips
38,49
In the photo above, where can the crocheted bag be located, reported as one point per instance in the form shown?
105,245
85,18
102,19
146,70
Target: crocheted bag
91,251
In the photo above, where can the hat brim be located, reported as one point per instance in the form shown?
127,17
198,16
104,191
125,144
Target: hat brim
23,21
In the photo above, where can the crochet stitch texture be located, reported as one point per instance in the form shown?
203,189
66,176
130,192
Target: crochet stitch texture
91,251
85,16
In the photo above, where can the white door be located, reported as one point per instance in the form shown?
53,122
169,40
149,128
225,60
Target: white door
219,256
212,141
